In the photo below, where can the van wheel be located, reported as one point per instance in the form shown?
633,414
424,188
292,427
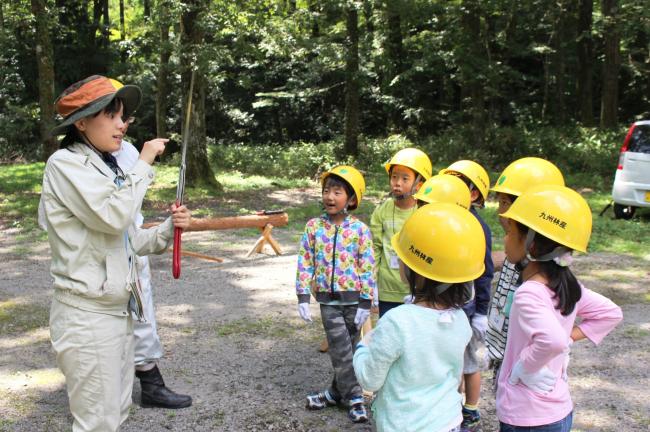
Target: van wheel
623,211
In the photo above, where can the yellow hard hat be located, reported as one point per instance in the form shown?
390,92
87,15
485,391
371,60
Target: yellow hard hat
352,176
442,242
556,212
473,171
412,158
526,172
444,188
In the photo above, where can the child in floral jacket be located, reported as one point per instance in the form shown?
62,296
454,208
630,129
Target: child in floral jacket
336,265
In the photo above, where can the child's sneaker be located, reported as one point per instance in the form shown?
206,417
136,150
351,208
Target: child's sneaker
471,421
358,412
320,400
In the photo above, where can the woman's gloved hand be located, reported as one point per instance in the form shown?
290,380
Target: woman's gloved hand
542,381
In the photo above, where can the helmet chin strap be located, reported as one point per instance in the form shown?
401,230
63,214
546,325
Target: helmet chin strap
550,256
413,191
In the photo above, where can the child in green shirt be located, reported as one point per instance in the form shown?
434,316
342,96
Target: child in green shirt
407,170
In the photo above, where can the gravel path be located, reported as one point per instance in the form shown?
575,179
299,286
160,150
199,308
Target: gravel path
233,341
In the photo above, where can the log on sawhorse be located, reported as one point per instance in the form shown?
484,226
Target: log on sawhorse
264,221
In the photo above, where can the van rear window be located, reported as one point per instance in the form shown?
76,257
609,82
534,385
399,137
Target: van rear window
640,139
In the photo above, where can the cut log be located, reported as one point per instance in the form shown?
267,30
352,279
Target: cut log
232,222
198,255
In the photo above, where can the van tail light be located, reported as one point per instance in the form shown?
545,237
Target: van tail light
625,146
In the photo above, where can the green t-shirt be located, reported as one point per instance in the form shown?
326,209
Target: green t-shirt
386,221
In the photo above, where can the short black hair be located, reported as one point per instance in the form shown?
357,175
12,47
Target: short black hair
510,197
424,289
471,185
415,173
333,180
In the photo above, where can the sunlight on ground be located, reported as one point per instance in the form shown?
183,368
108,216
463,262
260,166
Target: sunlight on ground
176,315
30,338
35,379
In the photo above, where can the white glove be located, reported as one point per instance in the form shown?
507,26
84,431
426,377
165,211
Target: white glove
480,324
542,381
408,299
567,357
305,312
361,317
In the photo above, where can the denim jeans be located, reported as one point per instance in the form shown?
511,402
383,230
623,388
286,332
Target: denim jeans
563,425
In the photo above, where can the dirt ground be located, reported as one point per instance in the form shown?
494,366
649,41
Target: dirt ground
234,341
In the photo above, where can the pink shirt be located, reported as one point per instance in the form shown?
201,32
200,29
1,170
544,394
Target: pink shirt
538,335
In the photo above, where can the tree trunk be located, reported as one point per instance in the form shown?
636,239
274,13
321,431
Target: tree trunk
564,23
367,15
122,32
471,53
395,53
45,60
585,62
314,13
162,80
147,8
101,15
395,48
555,66
611,66
352,83
199,172
106,19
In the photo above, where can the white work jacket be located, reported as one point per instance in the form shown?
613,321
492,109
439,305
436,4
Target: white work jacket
87,215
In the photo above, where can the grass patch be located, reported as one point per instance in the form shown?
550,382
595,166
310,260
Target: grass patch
21,178
7,425
20,188
266,327
635,332
218,418
18,317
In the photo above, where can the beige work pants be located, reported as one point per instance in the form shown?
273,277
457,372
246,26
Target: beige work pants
95,353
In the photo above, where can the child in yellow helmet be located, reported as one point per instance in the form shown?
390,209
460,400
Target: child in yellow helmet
515,179
444,188
407,170
336,265
413,359
478,182
545,225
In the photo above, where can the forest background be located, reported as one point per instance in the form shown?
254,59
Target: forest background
284,90
288,87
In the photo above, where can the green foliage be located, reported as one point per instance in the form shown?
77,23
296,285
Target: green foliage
295,161
18,317
266,327
18,109
591,153
20,187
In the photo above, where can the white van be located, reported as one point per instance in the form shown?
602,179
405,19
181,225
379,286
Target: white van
632,181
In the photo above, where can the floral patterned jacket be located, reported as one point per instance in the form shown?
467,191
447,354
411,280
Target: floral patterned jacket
336,262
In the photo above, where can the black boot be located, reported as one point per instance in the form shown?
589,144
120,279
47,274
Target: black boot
156,395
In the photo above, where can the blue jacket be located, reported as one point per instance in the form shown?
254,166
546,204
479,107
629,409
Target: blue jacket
482,285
